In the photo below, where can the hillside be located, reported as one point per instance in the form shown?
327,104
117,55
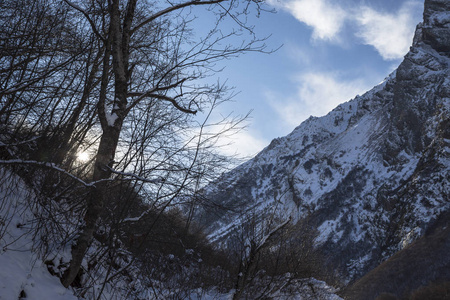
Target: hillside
369,177
423,262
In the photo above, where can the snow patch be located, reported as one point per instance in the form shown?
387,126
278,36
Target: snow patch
22,273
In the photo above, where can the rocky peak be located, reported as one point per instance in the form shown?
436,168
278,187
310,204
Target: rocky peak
436,25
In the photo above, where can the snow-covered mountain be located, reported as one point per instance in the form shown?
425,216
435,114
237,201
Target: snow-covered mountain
371,176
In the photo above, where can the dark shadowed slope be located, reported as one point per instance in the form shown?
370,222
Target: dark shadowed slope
425,261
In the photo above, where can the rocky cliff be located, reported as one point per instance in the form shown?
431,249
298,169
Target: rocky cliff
371,176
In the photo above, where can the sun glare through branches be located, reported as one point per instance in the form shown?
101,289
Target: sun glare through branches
83,156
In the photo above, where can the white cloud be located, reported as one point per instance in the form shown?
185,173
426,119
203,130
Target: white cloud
230,135
325,18
318,93
242,144
390,33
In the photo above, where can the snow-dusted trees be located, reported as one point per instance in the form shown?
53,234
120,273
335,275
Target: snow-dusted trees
128,81
250,253
273,257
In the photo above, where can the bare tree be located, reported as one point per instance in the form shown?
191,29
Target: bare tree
149,61
48,75
251,252
127,80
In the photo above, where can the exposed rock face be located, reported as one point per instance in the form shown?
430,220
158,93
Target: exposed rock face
437,25
371,175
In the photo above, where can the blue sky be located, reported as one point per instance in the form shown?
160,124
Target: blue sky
332,51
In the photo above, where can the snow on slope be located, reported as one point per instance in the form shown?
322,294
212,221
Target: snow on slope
370,176
22,273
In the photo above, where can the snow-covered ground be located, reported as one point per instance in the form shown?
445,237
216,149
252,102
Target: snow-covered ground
22,273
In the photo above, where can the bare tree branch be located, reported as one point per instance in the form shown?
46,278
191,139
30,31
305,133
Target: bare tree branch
174,103
173,8
46,165
86,15
136,177
263,242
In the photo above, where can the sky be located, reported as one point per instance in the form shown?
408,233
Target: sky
332,50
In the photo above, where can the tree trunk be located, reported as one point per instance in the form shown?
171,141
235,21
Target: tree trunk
111,132
95,203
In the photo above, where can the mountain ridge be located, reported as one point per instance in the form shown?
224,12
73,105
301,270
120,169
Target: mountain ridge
369,176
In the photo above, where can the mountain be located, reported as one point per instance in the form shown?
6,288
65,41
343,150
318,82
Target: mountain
369,178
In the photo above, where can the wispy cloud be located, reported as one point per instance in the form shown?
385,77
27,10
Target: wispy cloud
390,33
242,144
325,18
230,134
317,94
